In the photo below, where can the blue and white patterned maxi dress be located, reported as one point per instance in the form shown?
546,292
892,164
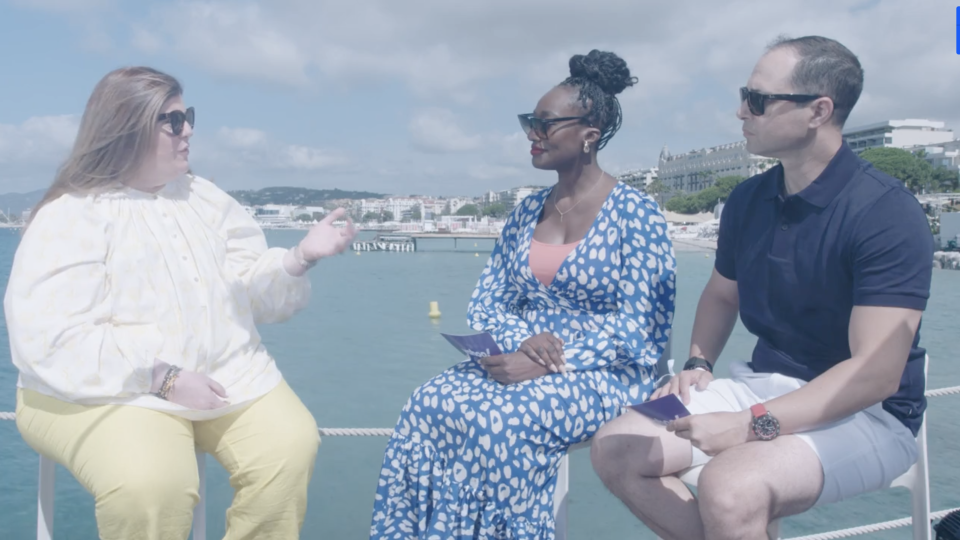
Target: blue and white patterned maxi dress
473,458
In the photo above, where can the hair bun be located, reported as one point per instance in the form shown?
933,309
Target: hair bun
606,69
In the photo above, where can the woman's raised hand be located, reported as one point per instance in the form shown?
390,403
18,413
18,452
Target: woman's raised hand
324,240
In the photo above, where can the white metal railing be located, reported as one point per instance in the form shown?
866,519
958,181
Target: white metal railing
916,479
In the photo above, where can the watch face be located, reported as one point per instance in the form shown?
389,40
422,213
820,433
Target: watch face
697,363
766,427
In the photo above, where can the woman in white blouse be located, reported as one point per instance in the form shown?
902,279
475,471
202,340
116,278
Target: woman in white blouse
132,309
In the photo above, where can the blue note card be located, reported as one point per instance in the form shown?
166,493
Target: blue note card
664,409
475,346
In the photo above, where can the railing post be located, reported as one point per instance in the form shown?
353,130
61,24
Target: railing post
200,511
45,489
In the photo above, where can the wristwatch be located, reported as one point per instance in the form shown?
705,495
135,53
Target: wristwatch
765,426
698,363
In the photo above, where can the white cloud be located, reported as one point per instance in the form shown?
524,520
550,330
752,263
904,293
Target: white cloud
448,54
61,6
514,149
38,139
488,157
241,137
89,19
450,50
235,39
31,151
309,159
442,50
94,37
247,147
495,172
436,131
463,60
145,40
708,115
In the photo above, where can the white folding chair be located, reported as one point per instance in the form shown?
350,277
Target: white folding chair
45,500
916,479
665,366
200,510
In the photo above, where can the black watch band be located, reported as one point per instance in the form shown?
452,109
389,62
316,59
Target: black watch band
698,363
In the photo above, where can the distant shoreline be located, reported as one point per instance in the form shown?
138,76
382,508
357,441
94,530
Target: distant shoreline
694,244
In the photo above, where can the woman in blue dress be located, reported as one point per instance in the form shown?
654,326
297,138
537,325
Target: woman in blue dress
579,295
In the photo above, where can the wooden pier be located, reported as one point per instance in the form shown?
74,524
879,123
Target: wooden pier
400,243
387,242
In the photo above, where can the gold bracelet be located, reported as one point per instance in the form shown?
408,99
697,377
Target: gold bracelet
168,381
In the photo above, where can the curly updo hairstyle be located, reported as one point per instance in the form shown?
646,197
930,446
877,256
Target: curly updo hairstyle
600,76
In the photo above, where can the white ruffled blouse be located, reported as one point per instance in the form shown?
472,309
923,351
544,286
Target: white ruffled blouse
101,285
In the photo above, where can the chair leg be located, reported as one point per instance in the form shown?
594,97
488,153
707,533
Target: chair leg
560,499
45,490
200,511
920,491
773,530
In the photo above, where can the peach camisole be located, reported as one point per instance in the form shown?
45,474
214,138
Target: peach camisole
546,259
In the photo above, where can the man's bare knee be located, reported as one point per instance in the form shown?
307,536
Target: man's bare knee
633,445
731,496
745,487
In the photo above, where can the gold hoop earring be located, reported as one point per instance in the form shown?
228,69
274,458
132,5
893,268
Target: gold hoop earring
586,147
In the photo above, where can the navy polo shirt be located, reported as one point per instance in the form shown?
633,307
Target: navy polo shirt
854,237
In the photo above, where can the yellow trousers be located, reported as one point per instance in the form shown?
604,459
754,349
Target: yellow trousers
140,466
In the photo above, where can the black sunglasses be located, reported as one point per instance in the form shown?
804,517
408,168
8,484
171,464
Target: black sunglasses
176,119
529,123
756,101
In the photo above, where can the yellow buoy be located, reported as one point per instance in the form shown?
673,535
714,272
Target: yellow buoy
476,254
434,310
358,253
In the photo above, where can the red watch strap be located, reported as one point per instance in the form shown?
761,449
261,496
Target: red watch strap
758,410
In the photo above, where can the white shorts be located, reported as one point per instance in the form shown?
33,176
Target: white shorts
861,453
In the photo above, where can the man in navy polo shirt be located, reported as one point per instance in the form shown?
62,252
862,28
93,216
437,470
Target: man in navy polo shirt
828,263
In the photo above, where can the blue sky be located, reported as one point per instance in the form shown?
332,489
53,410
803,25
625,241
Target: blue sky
421,96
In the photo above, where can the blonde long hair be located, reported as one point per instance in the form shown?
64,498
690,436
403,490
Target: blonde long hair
117,132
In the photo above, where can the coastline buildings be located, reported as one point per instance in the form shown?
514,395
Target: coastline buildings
284,213
432,208
398,207
897,134
931,139
512,197
639,178
697,169
941,155
407,207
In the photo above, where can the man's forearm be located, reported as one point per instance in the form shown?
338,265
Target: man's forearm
712,326
880,340
843,390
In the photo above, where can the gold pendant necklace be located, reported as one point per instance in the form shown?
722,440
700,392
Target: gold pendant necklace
582,197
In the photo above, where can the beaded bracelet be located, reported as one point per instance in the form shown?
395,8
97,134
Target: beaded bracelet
168,381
